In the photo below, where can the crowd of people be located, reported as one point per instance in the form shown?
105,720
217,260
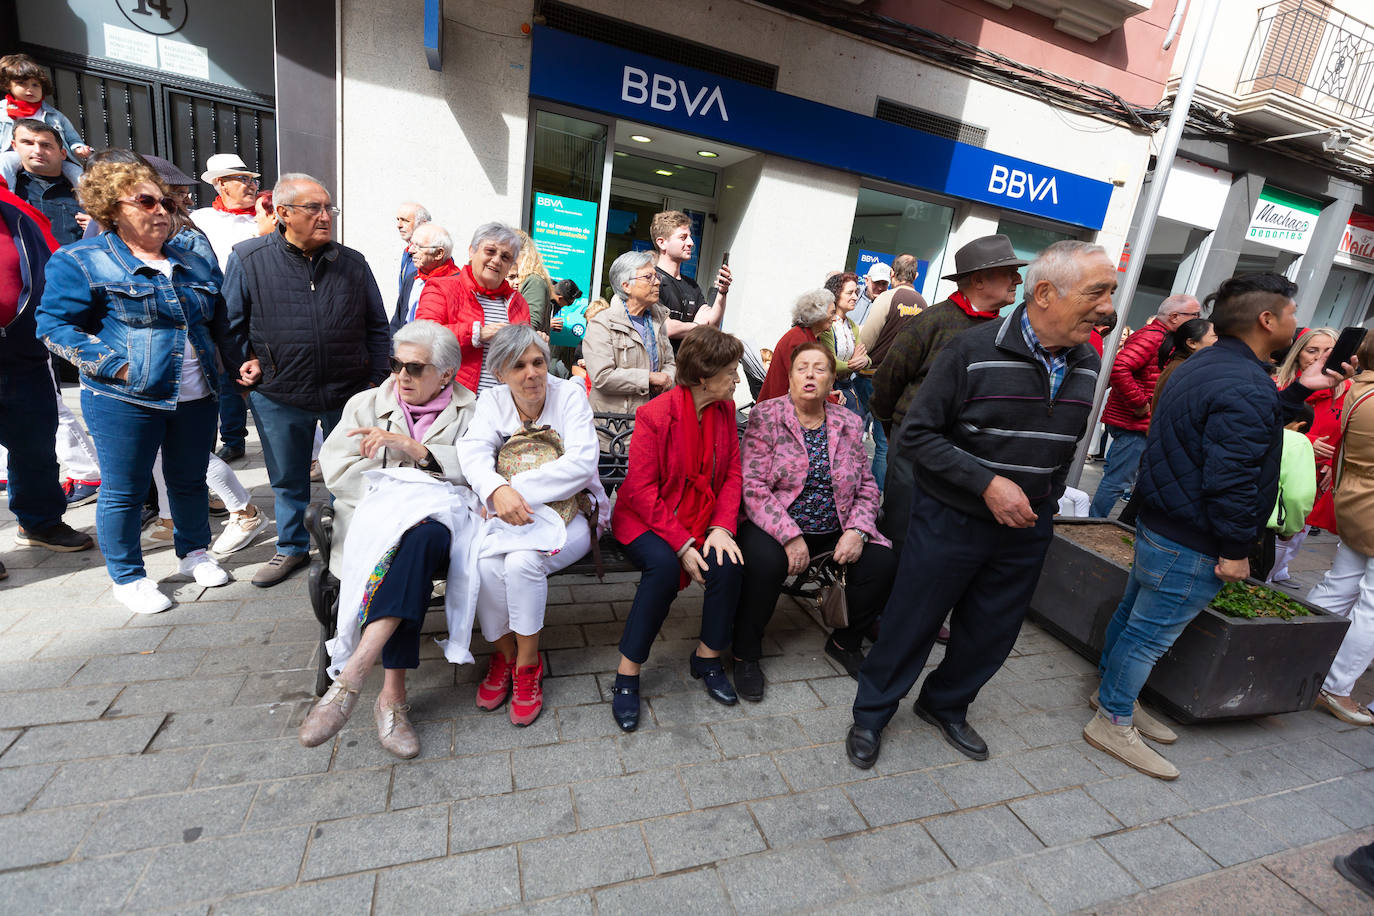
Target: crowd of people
460,444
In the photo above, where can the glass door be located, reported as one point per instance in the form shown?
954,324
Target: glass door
1344,288
887,225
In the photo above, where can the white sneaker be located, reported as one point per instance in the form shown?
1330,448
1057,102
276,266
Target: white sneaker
239,532
202,567
141,596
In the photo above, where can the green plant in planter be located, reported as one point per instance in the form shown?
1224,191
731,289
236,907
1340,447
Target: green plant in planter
1238,599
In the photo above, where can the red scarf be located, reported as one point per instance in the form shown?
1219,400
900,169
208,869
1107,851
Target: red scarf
504,290
239,211
17,109
962,301
698,444
444,269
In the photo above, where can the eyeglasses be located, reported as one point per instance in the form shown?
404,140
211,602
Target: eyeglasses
1190,314
653,277
313,209
246,179
414,370
148,203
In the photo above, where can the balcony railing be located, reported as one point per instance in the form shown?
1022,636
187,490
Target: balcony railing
1306,49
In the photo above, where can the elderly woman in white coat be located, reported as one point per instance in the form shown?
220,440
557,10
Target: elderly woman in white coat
626,348
526,541
412,420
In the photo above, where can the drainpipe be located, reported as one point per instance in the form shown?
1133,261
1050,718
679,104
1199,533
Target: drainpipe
1140,242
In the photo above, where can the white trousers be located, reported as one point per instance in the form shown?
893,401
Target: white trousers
218,475
514,587
1074,503
1348,590
1284,552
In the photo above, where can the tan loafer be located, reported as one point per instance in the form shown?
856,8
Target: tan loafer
329,715
394,730
1123,742
1344,708
1146,724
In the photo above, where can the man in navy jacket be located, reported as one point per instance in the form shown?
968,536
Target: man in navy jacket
1208,481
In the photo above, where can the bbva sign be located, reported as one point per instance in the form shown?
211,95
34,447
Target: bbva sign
1017,184
665,93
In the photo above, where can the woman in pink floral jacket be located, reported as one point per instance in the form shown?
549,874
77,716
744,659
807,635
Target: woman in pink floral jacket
807,490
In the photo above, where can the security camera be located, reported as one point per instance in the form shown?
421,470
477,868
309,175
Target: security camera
1337,142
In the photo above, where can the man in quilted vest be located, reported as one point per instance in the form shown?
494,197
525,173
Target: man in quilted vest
1127,414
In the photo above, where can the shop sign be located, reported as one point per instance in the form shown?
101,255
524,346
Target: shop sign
1283,220
564,231
1358,241
651,91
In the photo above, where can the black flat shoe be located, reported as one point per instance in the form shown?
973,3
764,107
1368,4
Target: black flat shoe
712,672
861,746
960,735
625,707
1353,875
229,453
748,680
852,659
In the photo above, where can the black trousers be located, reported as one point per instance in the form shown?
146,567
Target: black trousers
898,486
660,571
986,573
422,555
867,584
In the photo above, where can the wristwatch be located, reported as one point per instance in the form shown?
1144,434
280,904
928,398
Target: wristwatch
863,535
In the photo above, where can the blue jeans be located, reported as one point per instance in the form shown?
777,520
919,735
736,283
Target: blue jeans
127,437
288,438
28,428
1169,586
233,413
1123,461
863,387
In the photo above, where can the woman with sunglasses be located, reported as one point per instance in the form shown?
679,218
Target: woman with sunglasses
413,419
141,320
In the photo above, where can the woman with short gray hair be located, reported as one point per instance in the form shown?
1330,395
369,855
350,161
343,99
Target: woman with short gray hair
811,316
531,455
412,419
477,301
626,348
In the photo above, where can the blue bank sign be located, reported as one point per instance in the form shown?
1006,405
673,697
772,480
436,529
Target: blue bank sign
589,74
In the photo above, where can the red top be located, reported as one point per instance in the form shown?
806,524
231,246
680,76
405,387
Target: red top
1134,374
656,476
1326,421
452,301
776,382
11,282
44,225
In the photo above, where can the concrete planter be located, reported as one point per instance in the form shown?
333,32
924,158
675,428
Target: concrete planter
1220,668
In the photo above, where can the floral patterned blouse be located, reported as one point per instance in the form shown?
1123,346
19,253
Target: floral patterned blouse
814,510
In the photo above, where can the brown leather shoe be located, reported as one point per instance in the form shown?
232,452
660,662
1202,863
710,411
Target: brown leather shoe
394,730
278,568
328,715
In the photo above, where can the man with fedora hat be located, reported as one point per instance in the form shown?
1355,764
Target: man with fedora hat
987,273
991,435
228,221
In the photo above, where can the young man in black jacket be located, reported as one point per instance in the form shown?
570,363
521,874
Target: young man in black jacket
1208,482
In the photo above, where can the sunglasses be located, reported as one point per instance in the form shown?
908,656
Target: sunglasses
414,370
148,203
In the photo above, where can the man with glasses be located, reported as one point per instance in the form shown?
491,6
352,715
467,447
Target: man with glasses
431,250
307,330
1127,414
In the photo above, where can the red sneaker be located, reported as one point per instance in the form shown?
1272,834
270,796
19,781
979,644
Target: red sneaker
527,701
495,687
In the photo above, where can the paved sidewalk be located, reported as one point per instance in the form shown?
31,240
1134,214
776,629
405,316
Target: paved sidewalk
151,764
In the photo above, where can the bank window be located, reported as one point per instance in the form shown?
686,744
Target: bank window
1028,241
887,225
568,171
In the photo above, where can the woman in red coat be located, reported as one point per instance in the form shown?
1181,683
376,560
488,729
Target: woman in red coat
477,301
811,315
676,514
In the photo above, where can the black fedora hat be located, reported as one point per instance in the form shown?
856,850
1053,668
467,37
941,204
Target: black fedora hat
986,253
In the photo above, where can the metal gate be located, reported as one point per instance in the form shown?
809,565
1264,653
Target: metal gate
180,120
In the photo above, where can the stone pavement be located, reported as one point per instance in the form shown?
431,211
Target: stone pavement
150,764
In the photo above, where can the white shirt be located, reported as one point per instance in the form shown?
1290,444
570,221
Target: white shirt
415,289
193,384
224,230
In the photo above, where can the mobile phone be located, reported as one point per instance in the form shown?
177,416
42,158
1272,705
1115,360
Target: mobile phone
1346,345
725,259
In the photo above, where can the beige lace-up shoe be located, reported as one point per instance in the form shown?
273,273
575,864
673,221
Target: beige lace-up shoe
329,715
1123,742
1146,724
394,730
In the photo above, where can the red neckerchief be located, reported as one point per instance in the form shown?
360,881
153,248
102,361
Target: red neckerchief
504,290
447,268
17,109
239,211
963,302
698,443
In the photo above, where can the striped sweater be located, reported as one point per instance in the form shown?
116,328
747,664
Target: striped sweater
985,410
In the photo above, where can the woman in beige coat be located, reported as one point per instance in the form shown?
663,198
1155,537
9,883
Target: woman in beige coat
1348,587
626,348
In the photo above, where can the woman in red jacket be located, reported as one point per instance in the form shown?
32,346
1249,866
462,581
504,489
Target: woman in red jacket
477,301
811,316
676,514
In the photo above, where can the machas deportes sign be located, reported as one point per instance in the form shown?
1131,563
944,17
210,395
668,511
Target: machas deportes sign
1283,220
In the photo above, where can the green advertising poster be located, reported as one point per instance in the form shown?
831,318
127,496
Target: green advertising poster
565,234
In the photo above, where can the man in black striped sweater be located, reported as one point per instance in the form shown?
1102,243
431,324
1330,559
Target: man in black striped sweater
992,433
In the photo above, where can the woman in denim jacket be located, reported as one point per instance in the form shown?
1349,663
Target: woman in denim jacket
134,314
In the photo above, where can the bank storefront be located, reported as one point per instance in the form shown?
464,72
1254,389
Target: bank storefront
624,135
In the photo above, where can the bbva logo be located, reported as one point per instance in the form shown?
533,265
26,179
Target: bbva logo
664,93
1016,183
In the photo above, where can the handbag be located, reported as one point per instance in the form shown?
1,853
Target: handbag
535,446
831,602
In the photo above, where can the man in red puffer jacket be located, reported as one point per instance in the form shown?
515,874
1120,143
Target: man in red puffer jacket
1127,414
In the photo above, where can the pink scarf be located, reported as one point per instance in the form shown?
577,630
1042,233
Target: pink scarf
420,417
